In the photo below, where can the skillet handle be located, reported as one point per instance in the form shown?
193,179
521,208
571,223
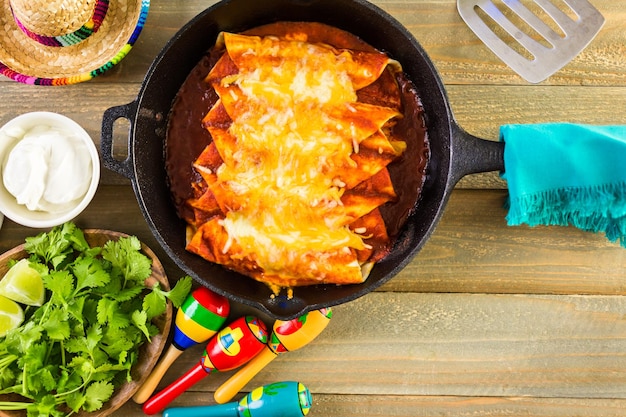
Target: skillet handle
124,167
472,155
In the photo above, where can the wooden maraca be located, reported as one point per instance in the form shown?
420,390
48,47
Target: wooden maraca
201,316
286,336
280,399
233,346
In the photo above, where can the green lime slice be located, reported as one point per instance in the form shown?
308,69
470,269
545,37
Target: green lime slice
11,315
23,284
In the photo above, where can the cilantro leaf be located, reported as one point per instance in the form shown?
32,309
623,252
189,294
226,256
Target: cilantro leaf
125,255
97,394
89,273
22,338
155,302
35,356
44,407
180,291
41,380
75,309
140,320
128,294
75,401
94,334
55,246
116,343
57,326
109,313
61,284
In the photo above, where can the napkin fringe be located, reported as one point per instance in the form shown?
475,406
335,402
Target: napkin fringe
596,209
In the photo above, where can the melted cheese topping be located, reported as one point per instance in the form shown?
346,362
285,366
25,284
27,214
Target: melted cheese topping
295,123
287,144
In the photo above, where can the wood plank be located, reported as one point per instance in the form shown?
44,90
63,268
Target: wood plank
480,110
466,345
461,58
472,250
411,406
458,54
85,103
431,406
113,208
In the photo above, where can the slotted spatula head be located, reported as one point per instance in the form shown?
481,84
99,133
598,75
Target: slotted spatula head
545,51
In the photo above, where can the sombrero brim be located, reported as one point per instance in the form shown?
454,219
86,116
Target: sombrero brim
27,61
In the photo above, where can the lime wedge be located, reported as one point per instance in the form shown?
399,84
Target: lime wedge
11,315
23,284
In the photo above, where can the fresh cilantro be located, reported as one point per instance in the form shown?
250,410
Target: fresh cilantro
140,319
89,273
178,294
97,394
125,256
153,303
74,351
56,246
57,326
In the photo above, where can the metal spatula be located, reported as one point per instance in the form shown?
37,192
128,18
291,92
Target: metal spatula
541,57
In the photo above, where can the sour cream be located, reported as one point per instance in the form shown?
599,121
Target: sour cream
47,169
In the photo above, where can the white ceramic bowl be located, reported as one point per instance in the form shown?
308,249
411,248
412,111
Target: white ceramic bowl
19,213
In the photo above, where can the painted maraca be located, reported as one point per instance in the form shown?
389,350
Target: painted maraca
286,336
233,346
201,315
280,399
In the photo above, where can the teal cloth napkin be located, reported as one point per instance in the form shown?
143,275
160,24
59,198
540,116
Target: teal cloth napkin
567,174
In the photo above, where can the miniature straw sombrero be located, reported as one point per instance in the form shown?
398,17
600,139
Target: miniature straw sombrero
58,42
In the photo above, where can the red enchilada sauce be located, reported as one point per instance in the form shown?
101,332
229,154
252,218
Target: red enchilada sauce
187,138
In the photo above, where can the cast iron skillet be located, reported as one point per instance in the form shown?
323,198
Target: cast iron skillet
454,153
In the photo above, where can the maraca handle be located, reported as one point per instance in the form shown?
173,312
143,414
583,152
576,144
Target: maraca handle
222,410
235,383
157,403
150,384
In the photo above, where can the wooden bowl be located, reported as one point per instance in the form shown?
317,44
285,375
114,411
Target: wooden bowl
148,354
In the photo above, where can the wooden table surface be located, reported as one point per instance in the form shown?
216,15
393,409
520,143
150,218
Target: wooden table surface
487,320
